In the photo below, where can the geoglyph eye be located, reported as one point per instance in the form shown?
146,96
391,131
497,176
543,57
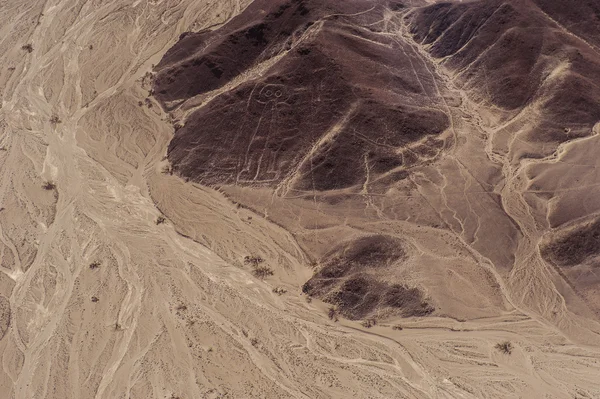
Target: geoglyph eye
271,92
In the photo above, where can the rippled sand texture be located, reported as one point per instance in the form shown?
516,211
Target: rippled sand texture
98,300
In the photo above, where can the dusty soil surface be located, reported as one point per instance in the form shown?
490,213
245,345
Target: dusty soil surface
119,279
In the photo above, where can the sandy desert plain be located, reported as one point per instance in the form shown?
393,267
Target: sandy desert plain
299,199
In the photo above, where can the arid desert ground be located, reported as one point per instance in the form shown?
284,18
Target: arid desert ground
299,199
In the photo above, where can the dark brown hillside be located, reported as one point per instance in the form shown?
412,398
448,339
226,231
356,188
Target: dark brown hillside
511,54
341,103
346,279
575,246
202,61
490,38
575,251
581,17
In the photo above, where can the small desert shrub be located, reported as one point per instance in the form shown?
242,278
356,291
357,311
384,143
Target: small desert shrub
27,47
262,271
55,120
279,290
95,299
160,220
49,185
95,264
258,269
181,307
397,327
254,341
369,323
332,313
504,347
253,260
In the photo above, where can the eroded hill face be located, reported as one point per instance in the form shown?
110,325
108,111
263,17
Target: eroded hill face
351,278
345,121
340,104
513,55
538,61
